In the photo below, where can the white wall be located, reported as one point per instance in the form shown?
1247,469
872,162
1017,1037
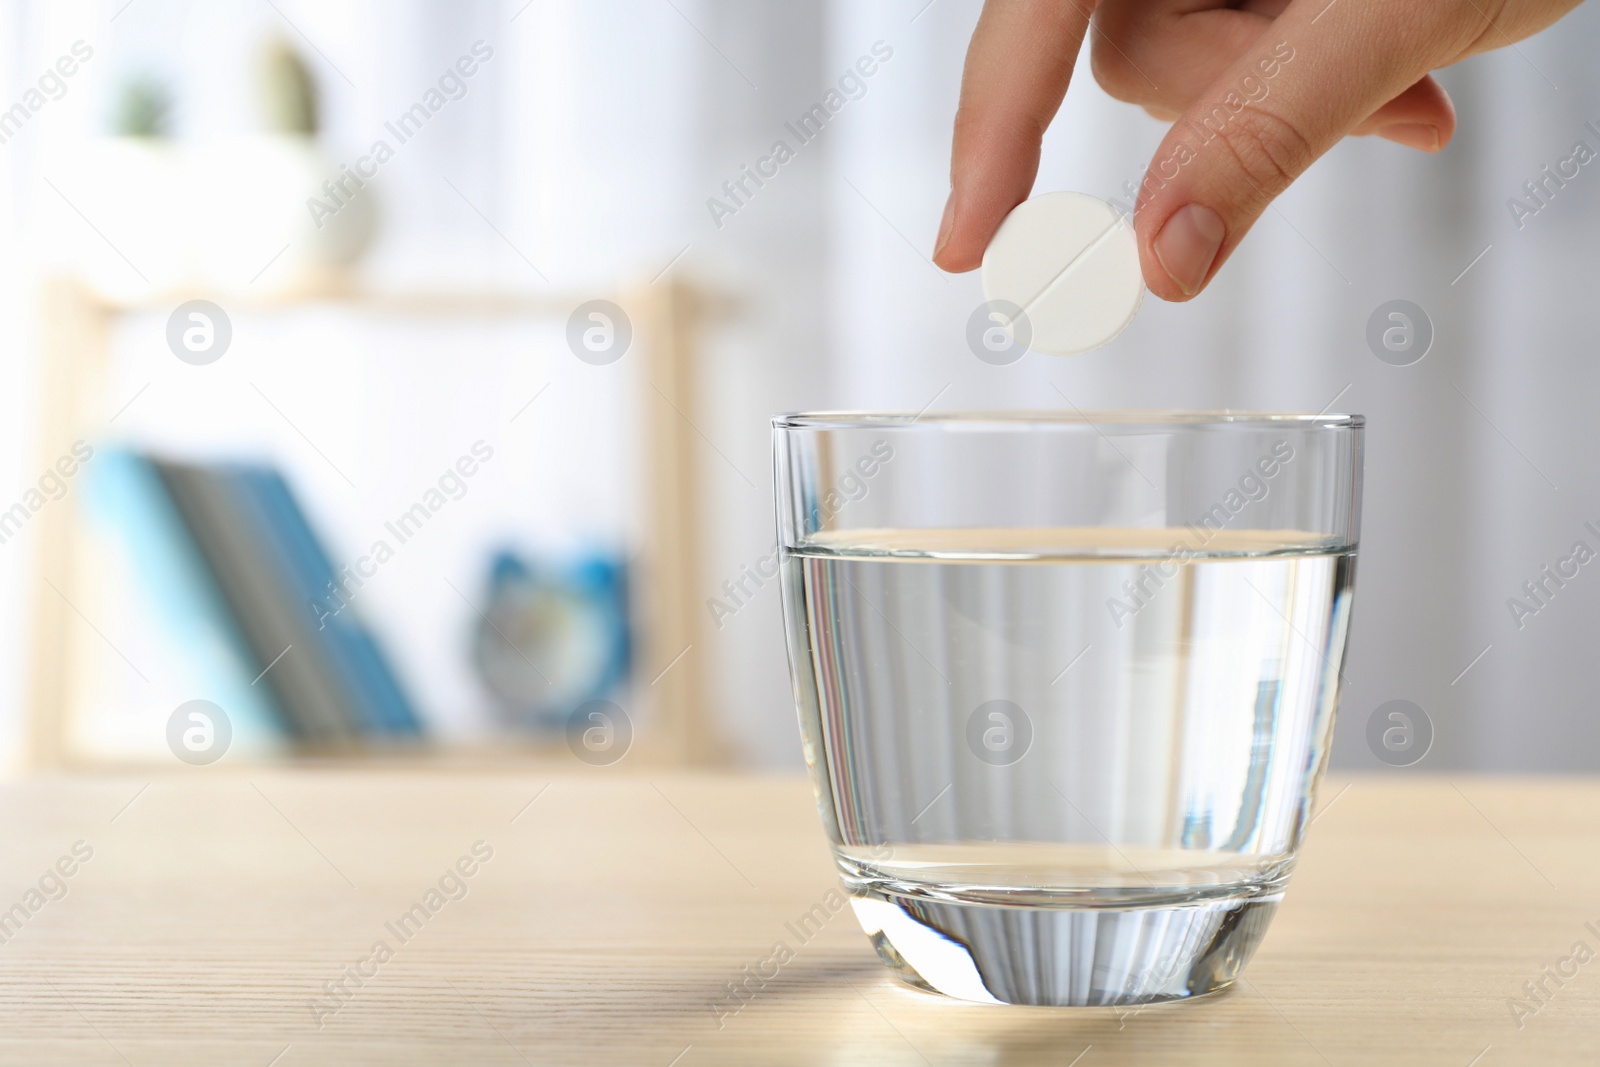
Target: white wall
602,128
1456,516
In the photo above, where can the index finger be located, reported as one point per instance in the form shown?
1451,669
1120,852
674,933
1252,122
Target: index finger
1018,66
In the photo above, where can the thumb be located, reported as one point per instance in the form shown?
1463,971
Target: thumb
1307,82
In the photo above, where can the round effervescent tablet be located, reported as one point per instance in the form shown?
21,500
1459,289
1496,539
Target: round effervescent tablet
1070,263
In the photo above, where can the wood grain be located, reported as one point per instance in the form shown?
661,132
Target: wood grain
617,905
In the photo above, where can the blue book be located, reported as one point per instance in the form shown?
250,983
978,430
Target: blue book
158,589
373,695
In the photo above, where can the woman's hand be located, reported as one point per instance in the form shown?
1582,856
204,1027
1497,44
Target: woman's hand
1257,91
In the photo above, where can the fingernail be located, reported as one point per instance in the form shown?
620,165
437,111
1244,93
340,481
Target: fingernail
946,224
1187,245
1413,135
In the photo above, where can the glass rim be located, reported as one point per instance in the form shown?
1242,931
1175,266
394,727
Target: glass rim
1046,419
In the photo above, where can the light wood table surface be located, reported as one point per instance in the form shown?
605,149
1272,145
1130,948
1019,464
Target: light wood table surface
617,905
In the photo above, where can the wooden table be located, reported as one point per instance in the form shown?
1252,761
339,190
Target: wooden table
217,909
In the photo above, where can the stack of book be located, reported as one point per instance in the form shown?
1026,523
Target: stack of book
268,582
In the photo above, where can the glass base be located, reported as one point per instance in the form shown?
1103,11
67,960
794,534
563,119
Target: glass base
1065,957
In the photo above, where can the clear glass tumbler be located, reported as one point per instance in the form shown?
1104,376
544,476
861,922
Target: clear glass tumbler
1066,683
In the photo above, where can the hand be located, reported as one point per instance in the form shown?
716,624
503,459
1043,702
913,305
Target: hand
1257,93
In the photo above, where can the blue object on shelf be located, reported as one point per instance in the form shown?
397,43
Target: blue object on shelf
130,517
373,694
552,637
225,552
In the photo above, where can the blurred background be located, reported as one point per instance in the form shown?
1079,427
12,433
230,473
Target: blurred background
434,345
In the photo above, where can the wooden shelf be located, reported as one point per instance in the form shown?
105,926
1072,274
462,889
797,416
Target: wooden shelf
442,302
669,318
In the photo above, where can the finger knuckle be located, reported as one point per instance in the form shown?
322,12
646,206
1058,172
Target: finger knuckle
1115,73
1000,129
1269,149
1483,26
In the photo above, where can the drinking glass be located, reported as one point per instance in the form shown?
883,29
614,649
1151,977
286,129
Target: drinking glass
1066,683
